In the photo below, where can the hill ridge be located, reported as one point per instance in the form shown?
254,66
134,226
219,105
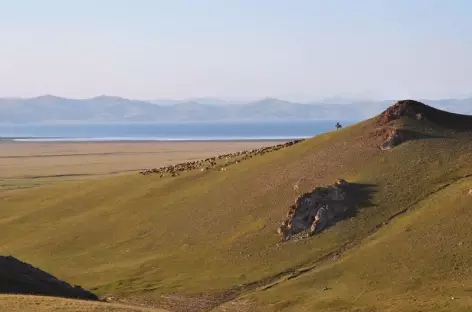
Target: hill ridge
417,110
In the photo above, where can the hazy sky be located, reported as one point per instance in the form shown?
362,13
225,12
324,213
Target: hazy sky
148,49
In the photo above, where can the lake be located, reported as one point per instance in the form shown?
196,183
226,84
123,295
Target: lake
184,131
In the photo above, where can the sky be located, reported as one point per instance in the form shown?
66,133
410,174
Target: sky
236,49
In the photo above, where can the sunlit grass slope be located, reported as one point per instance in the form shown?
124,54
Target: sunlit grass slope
421,261
208,232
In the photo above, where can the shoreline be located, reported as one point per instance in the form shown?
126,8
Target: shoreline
144,140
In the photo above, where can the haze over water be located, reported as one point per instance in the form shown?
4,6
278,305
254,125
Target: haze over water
192,131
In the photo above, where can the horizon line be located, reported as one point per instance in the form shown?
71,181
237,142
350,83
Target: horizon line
342,99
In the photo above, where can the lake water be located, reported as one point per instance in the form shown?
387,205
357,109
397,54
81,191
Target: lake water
188,131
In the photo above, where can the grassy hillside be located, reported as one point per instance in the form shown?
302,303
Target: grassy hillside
198,240
419,262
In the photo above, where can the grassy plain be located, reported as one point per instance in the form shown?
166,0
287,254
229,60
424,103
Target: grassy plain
27,164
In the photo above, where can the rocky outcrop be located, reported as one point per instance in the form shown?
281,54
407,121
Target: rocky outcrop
422,112
470,192
218,162
407,108
394,138
314,211
17,277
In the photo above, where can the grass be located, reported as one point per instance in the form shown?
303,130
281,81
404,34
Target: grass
142,237
419,262
15,303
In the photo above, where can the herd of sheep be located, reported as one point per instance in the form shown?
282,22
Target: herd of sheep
219,162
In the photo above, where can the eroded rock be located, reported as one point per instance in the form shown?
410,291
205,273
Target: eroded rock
407,108
394,138
314,211
414,110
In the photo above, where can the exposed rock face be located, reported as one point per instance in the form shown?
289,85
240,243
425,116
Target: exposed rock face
408,108
470,192
312,212
394,138
419,111
17,277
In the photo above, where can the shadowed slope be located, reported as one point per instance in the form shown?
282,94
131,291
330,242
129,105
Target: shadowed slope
17,277
197,240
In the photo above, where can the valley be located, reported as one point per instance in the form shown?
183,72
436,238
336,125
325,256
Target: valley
206,240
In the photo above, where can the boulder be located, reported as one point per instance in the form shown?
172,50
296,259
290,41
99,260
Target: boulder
314,211
394,138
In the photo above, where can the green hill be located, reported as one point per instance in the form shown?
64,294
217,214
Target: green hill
207,240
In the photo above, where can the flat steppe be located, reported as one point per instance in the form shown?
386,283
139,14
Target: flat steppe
29,164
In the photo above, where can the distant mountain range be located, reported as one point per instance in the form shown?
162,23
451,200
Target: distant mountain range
105,109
